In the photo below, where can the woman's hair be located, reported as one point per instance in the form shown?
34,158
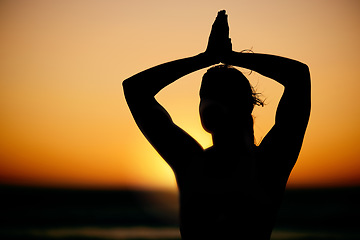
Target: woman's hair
226,84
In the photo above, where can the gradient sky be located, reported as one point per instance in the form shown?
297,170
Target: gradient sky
63,116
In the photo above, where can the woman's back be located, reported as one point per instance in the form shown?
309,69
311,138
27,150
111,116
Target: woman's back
224,201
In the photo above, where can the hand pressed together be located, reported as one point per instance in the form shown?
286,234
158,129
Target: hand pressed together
219,44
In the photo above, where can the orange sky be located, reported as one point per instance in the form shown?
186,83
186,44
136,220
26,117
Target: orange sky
63,118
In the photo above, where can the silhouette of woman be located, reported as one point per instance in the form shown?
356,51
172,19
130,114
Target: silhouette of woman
233,189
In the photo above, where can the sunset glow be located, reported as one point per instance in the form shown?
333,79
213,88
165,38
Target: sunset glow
63,116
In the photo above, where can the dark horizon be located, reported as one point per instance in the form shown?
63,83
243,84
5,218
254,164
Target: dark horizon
28,208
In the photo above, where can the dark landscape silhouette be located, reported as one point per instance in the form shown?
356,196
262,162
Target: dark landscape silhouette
51,213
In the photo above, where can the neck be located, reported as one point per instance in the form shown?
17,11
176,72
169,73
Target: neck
230,141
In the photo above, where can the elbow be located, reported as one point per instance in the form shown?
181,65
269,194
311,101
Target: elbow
125,85
305,71
304,74
307,77
132,92
127,89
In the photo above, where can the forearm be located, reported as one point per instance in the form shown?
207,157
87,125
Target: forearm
277,68
151,81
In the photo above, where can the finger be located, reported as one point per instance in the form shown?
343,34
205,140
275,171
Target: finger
222,12
222,22
221,16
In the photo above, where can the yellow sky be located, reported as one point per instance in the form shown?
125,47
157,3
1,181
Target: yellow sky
63,118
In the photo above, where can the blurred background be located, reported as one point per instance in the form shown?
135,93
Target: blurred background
73,163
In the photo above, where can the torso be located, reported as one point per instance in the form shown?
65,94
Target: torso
225,202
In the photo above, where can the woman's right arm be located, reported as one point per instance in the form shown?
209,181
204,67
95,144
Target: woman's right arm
170,141
149,82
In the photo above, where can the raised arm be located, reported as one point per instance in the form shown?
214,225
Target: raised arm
155,123
292,115
151,81
172,143
148,83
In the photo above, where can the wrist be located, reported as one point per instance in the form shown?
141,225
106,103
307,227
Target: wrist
209,58
228,58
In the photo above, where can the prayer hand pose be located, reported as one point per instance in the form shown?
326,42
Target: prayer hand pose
233,189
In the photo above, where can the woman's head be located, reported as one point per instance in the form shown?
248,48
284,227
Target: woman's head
227,98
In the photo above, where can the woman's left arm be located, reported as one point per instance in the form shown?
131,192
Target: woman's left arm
285,138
